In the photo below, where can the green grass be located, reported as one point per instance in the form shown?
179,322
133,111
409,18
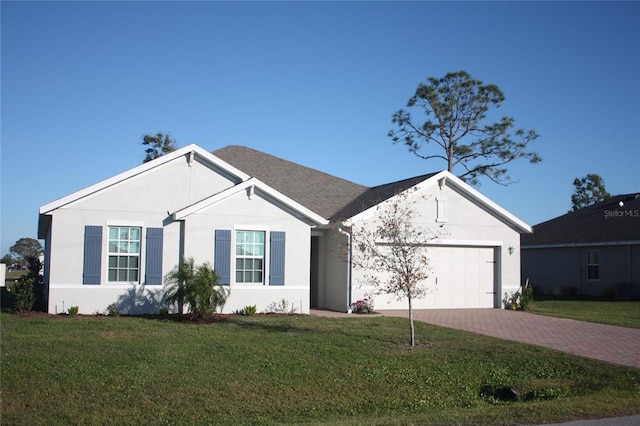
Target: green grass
624,314
290,369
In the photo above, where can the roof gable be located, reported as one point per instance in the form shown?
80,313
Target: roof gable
616,219
251,185
230,171
385,192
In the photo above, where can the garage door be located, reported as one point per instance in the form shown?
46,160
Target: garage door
462,277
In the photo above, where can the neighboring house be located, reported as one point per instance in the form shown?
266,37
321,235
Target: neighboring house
271,228
594,251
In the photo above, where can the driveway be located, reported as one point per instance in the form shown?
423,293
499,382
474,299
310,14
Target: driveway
617,345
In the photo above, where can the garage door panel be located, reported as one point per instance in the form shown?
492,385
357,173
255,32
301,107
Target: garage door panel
464,276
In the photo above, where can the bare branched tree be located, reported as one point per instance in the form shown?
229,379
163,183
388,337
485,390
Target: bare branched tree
393,250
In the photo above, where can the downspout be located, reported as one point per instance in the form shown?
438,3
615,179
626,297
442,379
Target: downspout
348,234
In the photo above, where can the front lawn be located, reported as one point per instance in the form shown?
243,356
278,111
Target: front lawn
291,369
623,314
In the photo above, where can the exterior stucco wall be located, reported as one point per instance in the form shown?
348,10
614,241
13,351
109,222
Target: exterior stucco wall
241,213
464,224
146,201
166,188
563,270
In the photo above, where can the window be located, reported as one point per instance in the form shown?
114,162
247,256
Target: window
593,265
250,256
124,254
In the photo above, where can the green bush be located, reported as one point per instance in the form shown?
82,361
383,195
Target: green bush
526,297
73,311
249,310
521,299
22,294
196,286
112,310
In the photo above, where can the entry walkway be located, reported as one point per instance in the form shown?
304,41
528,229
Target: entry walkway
617,345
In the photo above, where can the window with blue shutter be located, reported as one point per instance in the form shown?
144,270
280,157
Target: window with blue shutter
92,255
222,255
249,261
276,256
153,268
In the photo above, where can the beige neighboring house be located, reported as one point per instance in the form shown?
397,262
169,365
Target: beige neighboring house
272,230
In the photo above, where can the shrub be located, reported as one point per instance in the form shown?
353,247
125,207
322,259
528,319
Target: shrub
22,294
281,307
112,310
521,299
163,311
526,297
196,286
73,310
249,310
363,306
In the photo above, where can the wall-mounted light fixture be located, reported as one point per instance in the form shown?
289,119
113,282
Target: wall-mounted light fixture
511,250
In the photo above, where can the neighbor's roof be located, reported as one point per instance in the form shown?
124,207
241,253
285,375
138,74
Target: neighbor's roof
611,221
318,191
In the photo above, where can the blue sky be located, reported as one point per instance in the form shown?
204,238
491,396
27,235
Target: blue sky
311,82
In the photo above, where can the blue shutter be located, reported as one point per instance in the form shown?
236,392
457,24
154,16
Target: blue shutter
222,255
276,256
153,268
92,254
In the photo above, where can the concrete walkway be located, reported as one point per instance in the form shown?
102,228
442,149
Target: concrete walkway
617,345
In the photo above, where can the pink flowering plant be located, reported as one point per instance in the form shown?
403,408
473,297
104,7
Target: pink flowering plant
363,306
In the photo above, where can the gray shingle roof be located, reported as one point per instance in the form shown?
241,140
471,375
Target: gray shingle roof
376,195
320,192
606,221
329,196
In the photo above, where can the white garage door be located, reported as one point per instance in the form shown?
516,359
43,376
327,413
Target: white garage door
462,277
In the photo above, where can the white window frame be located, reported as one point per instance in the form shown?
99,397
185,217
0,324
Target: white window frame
127,253
237,256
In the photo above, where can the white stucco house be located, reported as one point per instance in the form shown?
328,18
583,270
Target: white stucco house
271,229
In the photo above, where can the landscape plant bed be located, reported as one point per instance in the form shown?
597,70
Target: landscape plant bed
267,369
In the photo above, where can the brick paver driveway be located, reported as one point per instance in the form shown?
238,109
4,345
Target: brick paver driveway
617,345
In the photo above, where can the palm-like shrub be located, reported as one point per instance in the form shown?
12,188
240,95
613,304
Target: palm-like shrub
197,286
175,283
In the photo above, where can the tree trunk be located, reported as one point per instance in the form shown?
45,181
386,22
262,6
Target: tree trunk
413,339
450,158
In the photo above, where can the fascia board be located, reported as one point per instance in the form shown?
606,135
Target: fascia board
261,186
366,214
49,207
459,184
483,200
220,162
207,202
